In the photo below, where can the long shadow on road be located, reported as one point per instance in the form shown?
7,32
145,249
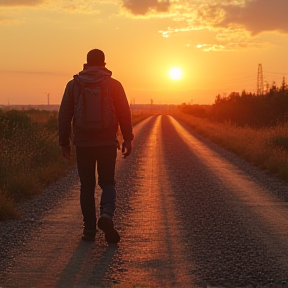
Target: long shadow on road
87,266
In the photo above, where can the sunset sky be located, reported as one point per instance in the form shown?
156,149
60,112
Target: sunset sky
218,45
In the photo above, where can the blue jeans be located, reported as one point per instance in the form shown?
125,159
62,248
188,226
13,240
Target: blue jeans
105,159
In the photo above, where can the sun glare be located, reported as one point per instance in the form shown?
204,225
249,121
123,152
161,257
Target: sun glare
175,73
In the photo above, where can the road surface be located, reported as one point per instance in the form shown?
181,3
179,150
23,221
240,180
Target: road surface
189,213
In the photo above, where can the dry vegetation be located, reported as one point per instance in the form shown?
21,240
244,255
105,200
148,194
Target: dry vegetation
30,156
264,147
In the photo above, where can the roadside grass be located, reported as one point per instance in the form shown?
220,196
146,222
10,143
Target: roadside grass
266,148
136,118
8,209
30,156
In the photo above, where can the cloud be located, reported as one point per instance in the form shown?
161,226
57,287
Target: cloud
257,16
6,20
254,16
10,16
236,23
10,3
75,6
71,6
232,46
144,7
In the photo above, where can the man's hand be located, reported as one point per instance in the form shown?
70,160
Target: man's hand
65,152
126,148
118,145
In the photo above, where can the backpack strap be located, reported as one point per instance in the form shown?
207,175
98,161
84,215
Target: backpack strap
77,80
79,84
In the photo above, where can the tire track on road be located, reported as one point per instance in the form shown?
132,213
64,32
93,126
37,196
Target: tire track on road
151,253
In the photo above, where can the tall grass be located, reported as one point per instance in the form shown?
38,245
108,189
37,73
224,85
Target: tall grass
136,118
265,147
30,156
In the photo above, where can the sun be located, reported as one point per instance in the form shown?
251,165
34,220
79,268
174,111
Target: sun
175,73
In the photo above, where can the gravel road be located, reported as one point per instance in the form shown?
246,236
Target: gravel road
190,214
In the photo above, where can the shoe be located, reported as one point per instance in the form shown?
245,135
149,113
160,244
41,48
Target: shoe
89,235
111,234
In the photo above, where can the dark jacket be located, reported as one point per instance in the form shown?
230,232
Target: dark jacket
102,138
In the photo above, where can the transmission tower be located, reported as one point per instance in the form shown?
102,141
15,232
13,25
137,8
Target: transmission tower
260,82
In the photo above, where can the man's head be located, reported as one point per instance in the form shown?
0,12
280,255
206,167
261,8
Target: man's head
96,57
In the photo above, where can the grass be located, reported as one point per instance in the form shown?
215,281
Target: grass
7,208
136,118
266,148
30,156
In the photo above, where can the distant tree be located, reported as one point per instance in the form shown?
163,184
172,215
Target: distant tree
195,110
283,86
251,109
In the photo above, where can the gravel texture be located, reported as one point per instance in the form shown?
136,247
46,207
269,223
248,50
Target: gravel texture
225,239
15,233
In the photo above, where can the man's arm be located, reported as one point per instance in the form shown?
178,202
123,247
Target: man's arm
123,112
66,113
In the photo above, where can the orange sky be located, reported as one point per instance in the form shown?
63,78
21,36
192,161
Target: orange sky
218,44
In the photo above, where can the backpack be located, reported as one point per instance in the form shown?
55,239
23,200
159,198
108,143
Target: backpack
94,109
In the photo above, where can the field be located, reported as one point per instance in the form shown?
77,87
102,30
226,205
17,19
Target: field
30,156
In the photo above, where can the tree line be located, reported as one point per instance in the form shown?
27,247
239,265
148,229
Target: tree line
246,108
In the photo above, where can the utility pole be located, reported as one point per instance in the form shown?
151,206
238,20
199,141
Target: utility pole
260,82
48,98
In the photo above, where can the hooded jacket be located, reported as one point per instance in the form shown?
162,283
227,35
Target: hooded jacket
106,137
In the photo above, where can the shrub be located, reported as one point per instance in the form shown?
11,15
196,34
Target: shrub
7,208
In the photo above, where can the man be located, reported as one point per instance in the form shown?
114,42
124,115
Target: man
97,148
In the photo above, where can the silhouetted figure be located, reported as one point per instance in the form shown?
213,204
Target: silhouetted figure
96,104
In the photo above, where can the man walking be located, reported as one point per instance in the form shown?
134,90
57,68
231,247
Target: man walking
95,145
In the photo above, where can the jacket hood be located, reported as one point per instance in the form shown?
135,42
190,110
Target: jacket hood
94,74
